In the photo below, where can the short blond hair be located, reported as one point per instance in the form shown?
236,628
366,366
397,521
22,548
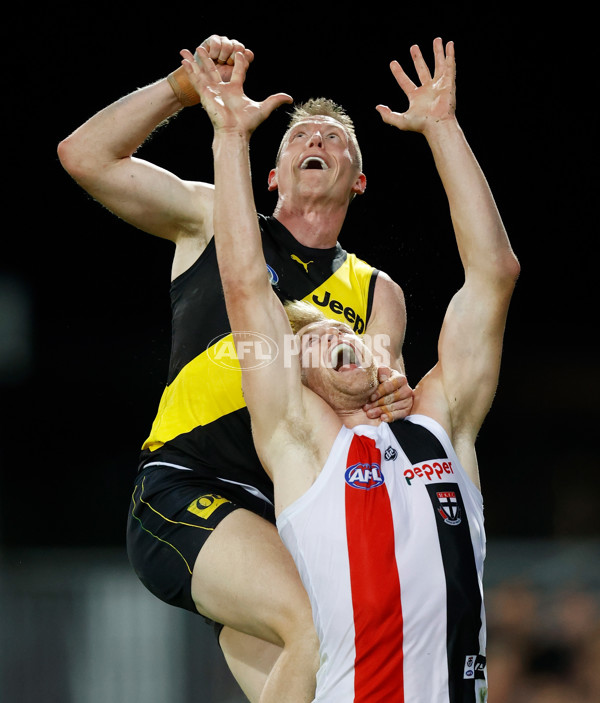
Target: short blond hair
323,107
300,314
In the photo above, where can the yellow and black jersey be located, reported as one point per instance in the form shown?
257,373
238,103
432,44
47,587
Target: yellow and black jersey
202,422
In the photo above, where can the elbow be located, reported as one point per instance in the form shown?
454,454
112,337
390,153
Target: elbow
508,273
513,268
75,159
67,154
503,264
500,272
70,158
244,291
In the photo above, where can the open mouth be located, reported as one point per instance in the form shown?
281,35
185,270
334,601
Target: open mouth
314,163
344,357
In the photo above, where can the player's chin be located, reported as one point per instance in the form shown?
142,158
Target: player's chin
357,377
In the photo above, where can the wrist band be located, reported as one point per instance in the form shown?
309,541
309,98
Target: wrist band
183,89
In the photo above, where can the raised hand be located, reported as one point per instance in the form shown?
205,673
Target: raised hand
228,107
431,102
221,50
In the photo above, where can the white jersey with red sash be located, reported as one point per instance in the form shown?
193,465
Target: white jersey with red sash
390,543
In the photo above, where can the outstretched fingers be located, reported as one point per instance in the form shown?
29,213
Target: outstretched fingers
238,76
223,98
387,115
271,103
439,56
402,78
444,58
431,99
407,85
420,64
200,64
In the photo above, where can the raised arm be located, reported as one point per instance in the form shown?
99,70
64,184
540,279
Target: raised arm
459,390
99,155
253,309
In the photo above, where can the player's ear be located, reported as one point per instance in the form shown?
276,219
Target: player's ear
360,184
272,179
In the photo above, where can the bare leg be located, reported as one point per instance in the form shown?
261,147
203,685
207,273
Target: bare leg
249,659
245,578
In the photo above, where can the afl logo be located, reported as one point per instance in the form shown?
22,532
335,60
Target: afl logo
364,476
273,277
252,349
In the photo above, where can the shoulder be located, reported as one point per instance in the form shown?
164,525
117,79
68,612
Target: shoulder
297,445
389,306
386,286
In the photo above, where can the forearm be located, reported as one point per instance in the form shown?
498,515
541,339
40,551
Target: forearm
118,130
470,342
237,233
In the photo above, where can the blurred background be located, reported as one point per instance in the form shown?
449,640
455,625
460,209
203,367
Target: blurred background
85,323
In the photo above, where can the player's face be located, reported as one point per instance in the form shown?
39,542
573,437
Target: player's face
336,364
317,159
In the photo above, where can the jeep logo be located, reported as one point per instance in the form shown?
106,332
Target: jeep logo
355,320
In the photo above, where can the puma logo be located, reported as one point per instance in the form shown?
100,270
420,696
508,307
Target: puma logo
295,258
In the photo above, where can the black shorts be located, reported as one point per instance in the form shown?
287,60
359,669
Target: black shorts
172,514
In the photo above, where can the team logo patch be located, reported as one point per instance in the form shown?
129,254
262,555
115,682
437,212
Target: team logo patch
474,666
390,454
364,476
206,505
448,507
273,277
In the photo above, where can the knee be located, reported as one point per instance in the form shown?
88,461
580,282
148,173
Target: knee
299,635
293,619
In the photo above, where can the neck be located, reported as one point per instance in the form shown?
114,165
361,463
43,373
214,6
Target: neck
315,227
353,418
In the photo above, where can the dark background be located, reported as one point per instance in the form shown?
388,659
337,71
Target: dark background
79,396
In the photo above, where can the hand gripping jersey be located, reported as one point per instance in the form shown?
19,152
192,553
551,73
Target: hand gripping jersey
389,542
202,421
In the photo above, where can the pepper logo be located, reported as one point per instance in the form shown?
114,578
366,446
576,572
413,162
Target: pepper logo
364,476
206,505
448,507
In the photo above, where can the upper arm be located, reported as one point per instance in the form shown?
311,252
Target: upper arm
293,428
151,198
387,325
460,389
100,157
270,362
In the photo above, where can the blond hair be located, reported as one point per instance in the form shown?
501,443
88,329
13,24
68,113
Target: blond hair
323,107
300,314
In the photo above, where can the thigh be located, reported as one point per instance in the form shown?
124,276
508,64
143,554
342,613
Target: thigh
245,578
172,514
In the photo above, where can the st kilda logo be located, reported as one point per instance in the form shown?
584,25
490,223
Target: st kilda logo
448,507
364,476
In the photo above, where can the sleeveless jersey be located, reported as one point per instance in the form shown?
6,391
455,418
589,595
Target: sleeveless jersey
390,543
202,421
